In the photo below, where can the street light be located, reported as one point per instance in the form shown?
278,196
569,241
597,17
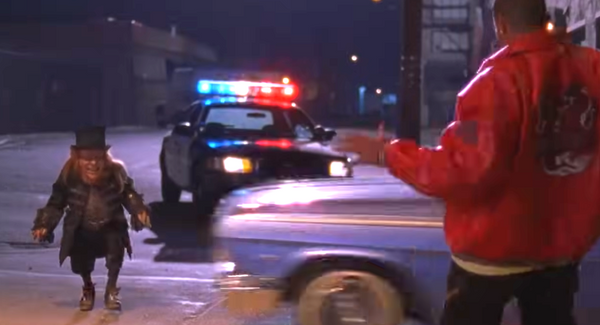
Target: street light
354,58
286,80
378,91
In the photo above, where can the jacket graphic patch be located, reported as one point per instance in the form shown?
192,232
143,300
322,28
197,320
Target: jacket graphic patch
566,131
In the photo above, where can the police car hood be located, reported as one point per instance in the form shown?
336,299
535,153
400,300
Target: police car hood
257,146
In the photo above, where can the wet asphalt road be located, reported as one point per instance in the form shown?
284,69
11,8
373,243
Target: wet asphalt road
168,281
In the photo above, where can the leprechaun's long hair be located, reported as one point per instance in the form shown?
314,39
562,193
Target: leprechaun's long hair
114,169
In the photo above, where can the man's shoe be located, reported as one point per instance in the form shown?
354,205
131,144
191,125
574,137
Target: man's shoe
88,296
112,300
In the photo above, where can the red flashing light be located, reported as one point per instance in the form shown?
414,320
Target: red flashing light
273,102
274,143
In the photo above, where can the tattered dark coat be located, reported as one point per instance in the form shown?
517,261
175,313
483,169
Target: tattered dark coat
69,197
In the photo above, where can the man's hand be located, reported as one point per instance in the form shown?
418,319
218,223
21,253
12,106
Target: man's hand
39,234
369,148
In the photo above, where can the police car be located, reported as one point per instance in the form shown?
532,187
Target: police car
241,133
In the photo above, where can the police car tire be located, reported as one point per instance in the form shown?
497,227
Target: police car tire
205,202
312,298
169,190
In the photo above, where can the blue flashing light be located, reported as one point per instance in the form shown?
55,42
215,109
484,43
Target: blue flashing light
203,87
224,100
226,143
223,88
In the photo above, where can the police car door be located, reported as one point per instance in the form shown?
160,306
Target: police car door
186,145
171,147
178,146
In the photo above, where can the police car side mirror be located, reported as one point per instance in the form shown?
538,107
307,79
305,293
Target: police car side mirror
323,134
184,129
330,134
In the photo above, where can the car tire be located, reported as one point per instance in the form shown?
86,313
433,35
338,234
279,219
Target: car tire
171,193
389,307
204,202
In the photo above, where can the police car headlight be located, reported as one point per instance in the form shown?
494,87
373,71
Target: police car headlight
338,169
237,165
224,267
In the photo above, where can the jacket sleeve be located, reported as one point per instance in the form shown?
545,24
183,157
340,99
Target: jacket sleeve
475,151
49,216
132,200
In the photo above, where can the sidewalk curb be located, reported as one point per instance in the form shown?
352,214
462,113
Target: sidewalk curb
9,140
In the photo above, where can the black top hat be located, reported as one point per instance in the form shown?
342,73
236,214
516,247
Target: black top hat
93,137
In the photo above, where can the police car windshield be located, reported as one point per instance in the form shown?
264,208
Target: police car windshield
260,121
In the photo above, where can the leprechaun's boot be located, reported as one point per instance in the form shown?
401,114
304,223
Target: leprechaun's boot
111,299
88,296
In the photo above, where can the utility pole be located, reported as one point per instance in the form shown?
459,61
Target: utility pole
590,22
408,124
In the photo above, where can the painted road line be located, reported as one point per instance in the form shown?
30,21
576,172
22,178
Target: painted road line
132,277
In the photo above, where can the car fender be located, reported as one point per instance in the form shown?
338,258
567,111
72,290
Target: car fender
306,260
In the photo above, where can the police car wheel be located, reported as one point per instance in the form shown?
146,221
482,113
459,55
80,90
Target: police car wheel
203,201
170,192
197,196
336,297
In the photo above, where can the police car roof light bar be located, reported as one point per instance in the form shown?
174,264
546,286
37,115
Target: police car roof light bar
247,89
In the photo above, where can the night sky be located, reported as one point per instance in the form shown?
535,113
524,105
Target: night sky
308,32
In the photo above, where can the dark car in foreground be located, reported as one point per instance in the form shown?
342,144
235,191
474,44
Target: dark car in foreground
230,142
357,251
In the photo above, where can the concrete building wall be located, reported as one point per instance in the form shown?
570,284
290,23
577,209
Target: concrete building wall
151,86
156,55
40,94
114,73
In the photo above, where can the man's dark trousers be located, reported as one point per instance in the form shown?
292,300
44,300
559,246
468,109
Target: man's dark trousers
545,297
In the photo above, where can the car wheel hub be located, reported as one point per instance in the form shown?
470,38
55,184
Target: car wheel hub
351,302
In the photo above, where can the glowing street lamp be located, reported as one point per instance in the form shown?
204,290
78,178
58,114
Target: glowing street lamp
354,58
286,80
378,91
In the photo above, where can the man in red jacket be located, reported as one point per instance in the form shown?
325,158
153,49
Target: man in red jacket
519,171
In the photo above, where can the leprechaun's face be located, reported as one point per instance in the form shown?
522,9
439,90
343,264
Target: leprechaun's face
92,164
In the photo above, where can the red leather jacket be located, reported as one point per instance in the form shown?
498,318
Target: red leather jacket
519,169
